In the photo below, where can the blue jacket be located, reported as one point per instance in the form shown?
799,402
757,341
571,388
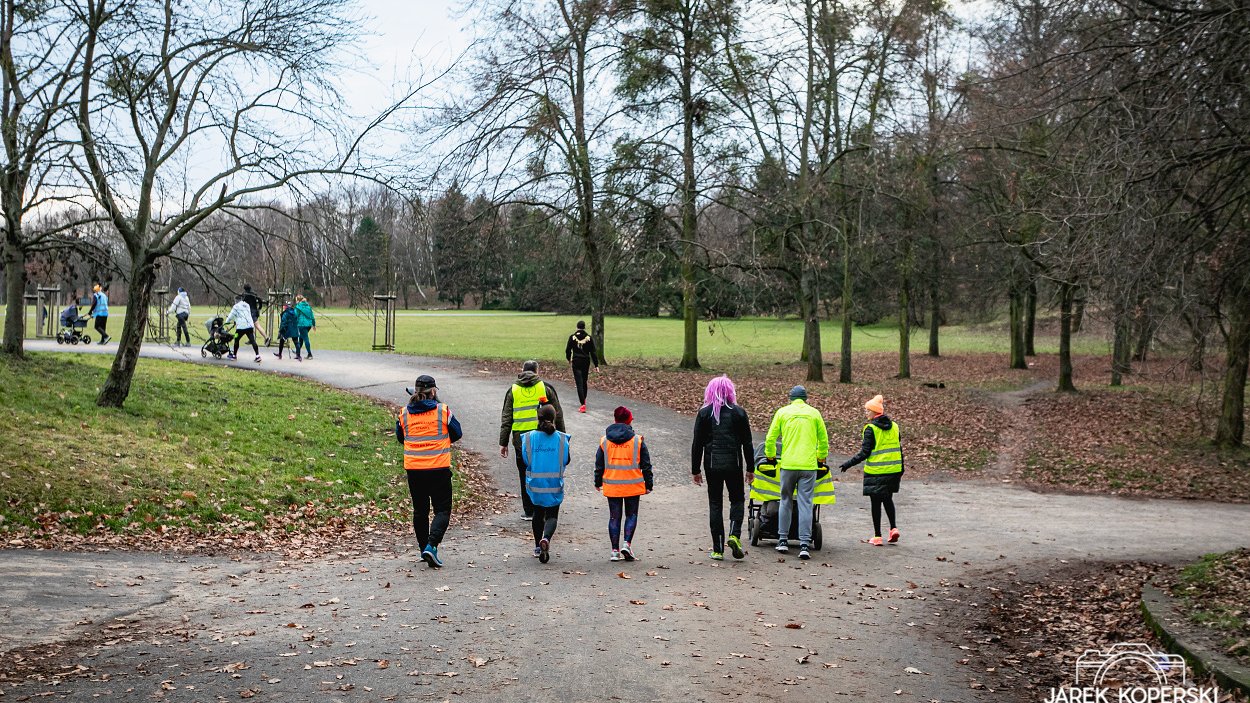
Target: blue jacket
424,406
99,304
288,327
545,456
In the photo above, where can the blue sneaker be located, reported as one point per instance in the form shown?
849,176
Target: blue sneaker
430,556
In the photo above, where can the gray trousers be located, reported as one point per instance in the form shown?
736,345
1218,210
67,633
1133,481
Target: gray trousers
805,482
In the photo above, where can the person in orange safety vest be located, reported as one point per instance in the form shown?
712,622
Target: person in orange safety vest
623,475
427,429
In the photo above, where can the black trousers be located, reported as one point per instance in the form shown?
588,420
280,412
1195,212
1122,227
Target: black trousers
718,480
250,333
181,330
544,523
526,504
430,488
101,324
581,371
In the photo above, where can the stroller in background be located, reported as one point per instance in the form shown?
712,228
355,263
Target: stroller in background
219,338
73,327
762,516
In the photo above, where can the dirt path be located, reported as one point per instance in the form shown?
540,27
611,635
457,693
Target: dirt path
673,625
1009,456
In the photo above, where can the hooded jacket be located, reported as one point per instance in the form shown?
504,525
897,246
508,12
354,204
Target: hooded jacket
580,349
424,406
525,379
304,314
804,439
619,433
288,324
241,316
181,304
724,445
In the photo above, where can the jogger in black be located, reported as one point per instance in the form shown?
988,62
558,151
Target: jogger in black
723,448
581,353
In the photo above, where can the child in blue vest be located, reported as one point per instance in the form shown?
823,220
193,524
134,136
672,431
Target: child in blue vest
546,453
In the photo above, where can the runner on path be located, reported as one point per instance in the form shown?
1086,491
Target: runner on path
427,430
884,471
520,415
581,353
623,475
722,448
546,452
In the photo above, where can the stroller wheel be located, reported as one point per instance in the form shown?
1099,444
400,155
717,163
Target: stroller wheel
203,352
60,338
818,537
85,339
755,527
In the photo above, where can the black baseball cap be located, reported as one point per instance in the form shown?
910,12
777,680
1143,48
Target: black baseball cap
423,381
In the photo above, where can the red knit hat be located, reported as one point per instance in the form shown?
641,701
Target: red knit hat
623,415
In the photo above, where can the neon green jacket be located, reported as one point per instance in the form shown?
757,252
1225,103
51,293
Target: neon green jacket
804,439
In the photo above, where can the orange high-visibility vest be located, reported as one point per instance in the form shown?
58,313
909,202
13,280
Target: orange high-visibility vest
426,442
622,468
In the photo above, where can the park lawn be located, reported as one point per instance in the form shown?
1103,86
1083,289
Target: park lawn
1213,591
196,451
495,335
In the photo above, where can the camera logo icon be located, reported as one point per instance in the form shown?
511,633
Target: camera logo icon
1094,666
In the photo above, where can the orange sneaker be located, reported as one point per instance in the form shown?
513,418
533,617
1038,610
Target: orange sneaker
893,535
876,541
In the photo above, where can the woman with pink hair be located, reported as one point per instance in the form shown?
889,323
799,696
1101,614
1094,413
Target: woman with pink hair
723,449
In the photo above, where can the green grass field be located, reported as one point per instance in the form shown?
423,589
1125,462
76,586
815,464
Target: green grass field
195,446
651,341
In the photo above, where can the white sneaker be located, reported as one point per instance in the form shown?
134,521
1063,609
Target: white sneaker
783,547
616,555
627,552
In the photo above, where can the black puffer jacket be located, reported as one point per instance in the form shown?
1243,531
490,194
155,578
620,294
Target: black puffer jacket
876,484
723,446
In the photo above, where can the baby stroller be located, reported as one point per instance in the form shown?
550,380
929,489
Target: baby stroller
73,327
219,338
762,510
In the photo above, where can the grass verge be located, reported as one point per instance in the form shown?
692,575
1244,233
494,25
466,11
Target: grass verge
199,457
1213,592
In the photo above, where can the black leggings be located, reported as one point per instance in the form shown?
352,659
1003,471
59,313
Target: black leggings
181,329
250,333
877,501
430,488
717,481
101,324
630,506
527,505
544,522
581,369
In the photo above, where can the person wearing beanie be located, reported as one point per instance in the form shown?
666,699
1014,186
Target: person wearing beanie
427,429
883,471
804,448
580,352
520,415
623,475
181,310
722,449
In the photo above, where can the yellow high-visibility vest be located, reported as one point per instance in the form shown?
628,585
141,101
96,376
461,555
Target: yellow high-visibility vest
525,402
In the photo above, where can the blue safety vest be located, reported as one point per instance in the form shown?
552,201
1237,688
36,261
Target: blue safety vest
546,455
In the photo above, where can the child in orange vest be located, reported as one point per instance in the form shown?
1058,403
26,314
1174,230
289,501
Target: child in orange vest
623,475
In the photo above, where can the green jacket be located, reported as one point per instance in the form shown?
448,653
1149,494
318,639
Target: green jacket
804,440
304,316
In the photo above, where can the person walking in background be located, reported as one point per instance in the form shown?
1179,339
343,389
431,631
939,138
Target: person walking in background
623,474
546,452
804,448
722,448
427,429
580,352
520,415
181,310
255,303
883,472
288,328
100,311
305,321
241,316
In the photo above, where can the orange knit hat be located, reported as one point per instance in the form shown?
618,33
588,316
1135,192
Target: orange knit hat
876,405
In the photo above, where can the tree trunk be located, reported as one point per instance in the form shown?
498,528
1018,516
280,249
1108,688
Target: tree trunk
1145,337
1120,364
1030,320
1016,329
596,331
14,299
1230,432
1198,342
138,296
844,371
935,319
904,330
1066,294
811,327
1078,316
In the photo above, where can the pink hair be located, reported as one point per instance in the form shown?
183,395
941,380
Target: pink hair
720,392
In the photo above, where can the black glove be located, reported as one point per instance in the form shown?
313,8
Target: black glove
845,467
822,465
